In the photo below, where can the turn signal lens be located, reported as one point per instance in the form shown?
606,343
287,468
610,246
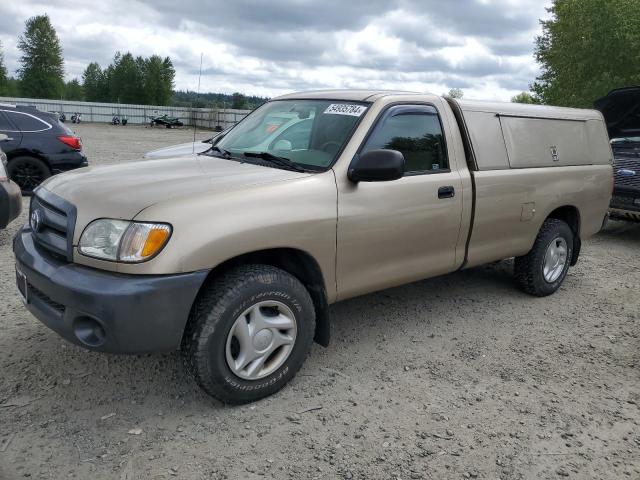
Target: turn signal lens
143,240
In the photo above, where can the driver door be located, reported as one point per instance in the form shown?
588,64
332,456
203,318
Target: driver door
395,232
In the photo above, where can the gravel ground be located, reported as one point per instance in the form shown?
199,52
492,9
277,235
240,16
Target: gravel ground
457,377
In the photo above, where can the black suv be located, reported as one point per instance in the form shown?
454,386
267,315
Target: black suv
621,110
39,145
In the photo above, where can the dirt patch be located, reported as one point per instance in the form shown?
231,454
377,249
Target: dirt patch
461,376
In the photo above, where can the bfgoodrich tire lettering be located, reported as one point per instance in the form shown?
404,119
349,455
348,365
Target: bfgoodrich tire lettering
216,310
529,269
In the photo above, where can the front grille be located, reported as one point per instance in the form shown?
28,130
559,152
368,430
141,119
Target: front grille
624,202
52,220
627,167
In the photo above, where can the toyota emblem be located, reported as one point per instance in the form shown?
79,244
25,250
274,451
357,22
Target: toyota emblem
35,220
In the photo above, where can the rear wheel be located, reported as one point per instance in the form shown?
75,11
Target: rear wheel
249,332
544,268
28,172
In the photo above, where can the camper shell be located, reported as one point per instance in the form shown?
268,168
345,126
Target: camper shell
510,135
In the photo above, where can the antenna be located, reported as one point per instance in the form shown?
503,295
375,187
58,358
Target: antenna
195,113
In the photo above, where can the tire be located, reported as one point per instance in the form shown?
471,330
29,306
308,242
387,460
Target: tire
28,173
530,270
220,310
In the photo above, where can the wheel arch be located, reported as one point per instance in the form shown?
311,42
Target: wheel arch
298,263
571,216
22,152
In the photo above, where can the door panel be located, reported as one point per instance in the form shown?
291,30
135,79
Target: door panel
390,233
395,232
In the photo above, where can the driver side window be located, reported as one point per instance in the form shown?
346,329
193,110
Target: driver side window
416,132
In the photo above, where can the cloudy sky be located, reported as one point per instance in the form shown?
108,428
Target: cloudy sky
268,47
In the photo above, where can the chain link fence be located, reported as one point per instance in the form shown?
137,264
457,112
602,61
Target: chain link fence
210,118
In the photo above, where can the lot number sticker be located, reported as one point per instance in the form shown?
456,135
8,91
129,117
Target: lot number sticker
345,109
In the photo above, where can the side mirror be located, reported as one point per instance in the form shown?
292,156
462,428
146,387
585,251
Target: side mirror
377,166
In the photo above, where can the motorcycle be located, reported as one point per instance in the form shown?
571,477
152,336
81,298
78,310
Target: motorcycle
115,120
76,118
62,117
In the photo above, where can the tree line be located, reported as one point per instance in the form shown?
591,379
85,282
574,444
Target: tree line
130,79
127,79
587,48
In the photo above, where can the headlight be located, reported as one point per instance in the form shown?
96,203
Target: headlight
123,241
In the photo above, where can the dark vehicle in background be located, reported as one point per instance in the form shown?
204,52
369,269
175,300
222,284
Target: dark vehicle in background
165,121
621,110
10,197
38,146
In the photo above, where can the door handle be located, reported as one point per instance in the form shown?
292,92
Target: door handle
446,192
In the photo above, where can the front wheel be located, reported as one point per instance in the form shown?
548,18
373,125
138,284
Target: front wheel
544,268
248,334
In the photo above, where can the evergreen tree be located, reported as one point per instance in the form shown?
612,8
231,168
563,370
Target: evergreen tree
94,83
158,80
587,48
73,90
126,82
4,81
238,101
13,87
42,70
168,78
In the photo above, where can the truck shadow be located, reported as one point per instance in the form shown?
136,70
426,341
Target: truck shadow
426,304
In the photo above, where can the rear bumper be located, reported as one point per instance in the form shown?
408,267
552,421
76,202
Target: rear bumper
105,311
10,203
63,162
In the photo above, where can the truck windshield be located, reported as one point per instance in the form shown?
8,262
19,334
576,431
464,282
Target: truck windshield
309,133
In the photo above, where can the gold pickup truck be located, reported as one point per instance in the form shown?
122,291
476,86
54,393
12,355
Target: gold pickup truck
234,255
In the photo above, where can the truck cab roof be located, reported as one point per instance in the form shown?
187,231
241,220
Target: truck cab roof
344,94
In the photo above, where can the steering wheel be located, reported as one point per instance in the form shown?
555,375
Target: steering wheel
326,145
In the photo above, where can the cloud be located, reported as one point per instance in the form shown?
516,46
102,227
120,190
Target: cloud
268,48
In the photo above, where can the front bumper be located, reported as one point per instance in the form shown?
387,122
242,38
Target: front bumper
10,203
105,311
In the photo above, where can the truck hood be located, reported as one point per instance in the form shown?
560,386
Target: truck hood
123,190
179,150
621,111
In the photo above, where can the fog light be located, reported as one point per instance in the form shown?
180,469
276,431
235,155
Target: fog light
89,331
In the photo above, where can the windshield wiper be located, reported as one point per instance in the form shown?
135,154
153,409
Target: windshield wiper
281,161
